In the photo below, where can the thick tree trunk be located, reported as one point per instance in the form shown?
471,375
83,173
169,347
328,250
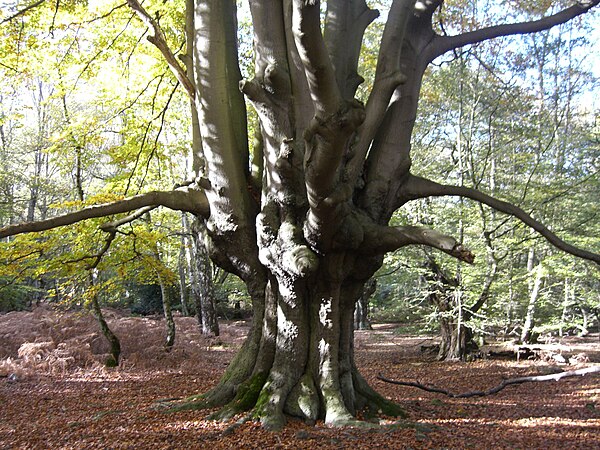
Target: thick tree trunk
456,341
455,334
304,365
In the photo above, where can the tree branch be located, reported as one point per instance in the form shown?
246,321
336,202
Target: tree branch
345,25
385,239
184,199
417,187
322,84
387,78
160,42
22,11
496,389
442,44
111,227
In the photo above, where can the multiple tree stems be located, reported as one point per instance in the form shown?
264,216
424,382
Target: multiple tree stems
333,173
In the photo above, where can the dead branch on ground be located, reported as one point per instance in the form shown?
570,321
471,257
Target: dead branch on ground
494,390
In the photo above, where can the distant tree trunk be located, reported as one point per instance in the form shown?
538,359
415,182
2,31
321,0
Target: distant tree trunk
456,340
182,265
164,292
113,340
166,302
168,312
456,336
584,331
361,312
202,286
565,306
535,285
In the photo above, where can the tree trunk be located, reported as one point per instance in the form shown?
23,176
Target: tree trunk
361,312
113,340
202,284
182,266
456,337
303,365
535,284
456,341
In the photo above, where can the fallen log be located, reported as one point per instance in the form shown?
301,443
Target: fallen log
496,389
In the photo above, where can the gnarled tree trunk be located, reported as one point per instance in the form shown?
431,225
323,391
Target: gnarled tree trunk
303,218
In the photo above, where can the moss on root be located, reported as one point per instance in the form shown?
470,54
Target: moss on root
303,401
195,403
246,397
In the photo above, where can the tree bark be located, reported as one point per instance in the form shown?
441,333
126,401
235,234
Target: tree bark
361,313
333,173
113,340
202,283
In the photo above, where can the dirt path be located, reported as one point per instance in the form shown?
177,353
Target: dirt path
63,398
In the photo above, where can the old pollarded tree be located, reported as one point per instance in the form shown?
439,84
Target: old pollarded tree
303,220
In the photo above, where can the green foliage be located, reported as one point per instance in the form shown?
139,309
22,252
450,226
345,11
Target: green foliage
87,96
486,121
145,299
14,297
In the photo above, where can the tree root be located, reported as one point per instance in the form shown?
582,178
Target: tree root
496,389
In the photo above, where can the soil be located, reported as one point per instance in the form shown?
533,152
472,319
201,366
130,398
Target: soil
55,392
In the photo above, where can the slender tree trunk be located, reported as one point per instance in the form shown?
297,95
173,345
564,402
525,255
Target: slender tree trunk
361,313
166,302
535,285
113,340
202,286
168,313
182,266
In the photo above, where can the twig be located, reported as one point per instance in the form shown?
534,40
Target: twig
21,12
494,390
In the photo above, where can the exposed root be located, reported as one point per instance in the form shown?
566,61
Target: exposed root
245,398
303,400
373,402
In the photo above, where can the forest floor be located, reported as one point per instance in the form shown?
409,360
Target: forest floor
55,393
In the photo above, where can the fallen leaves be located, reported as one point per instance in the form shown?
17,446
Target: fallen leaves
92,407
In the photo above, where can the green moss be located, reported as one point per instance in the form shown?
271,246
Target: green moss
111,362
378,405
245,399
261,401
248,393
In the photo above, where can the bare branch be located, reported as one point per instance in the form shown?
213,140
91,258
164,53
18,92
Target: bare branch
387,78
442,44
385,239
345,24
22,11
496,389
322,83
183,199
160,42
110,227
417,187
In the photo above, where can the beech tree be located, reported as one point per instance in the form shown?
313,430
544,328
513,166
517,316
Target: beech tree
303,218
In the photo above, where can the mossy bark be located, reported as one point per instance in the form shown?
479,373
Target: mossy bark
299,359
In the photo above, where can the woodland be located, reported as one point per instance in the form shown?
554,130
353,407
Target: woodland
326,219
